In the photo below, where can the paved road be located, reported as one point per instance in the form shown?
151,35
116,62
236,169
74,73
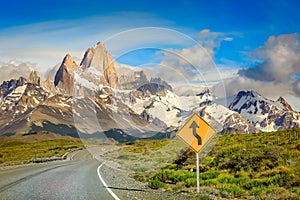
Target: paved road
73,179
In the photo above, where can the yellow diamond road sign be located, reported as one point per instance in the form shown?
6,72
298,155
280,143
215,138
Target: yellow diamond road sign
196,132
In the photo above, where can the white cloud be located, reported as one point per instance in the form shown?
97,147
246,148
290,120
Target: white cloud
44,58
191,59
212,40
156,38
14,69
274,76
179,57
280,59
46,43
195,62
269,89
296,87
228,39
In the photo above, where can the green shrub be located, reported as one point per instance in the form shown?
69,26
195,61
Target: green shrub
259,191
139,177
171,166
190,182
155,183
181,175
16,152
226,178
232,189
209,175
209,182
253,183
244,165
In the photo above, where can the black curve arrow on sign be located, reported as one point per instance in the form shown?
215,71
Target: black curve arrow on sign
194,126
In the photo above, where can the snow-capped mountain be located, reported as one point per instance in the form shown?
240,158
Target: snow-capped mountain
155,102
263,113
94,98
225,120
28,107
68,104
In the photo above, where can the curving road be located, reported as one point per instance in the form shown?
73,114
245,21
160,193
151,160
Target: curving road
70,179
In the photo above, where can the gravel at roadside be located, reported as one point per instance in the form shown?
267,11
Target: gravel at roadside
128,188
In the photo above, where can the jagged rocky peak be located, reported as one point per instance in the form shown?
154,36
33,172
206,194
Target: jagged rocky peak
34,78
111,76
69,63
265,114
49,78
64,77
206,94
99,58
133,80
7,86
49,84
285,103
249,94
159,81
224,120
140,75
244,100
153,89
235,123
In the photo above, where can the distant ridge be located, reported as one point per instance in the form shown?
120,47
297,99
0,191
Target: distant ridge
93,98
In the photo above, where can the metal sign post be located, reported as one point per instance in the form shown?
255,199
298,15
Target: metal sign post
197,171
196,133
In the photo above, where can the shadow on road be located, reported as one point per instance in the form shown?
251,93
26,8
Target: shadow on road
127,189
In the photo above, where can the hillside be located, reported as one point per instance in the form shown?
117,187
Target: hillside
35,147
259,165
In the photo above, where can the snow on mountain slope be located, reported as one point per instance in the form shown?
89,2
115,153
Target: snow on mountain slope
219,112
81,81
13,97
224,120
191,102
263,113
101,95
164,107
22,96
173,110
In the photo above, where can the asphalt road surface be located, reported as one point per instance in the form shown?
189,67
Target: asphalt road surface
79,178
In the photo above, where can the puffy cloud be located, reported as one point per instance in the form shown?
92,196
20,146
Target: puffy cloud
211,40
193,62
188,61
274,76
14,69
280,59
296,87
269,89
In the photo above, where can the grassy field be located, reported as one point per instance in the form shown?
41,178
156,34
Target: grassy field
146,155
14,151
261,165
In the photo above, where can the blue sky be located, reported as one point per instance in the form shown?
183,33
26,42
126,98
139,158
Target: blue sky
236,33
250,22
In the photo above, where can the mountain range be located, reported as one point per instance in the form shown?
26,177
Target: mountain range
94,99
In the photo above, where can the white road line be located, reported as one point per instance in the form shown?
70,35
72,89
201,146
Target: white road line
105,185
